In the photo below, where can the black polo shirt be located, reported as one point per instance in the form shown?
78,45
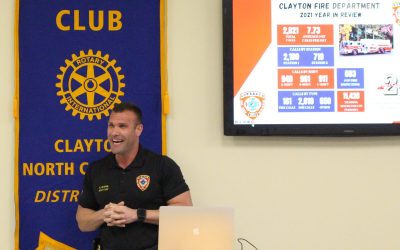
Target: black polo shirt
148,182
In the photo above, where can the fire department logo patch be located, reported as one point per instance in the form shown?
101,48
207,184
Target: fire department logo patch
143,182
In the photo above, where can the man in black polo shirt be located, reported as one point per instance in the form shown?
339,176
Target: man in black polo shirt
122,192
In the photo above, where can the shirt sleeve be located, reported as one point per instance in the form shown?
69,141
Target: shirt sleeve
173,183
87,198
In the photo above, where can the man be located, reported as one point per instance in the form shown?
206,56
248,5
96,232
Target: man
122,192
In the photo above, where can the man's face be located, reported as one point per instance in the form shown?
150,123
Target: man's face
123,132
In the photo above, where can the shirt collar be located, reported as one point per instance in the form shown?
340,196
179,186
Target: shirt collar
136,163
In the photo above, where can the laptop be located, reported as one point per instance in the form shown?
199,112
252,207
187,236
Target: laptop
195,228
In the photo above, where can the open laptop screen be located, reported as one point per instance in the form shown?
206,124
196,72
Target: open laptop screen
195,228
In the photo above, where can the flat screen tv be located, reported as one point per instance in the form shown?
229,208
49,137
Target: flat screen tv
311,68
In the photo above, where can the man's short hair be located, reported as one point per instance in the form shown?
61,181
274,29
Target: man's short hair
123,106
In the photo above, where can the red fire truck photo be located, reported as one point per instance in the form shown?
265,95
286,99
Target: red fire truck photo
365,46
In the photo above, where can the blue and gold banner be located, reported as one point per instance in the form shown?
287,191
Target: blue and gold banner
74,61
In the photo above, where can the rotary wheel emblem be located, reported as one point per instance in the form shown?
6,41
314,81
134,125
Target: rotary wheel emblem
90,85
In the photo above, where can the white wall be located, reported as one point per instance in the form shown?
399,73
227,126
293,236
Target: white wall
288,193
7,220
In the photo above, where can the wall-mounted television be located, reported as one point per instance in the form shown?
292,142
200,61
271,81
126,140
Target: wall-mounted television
311,67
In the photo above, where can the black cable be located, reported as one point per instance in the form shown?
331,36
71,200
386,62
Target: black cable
241,244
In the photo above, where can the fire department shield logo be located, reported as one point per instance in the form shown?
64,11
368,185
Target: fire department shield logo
143,182
252,103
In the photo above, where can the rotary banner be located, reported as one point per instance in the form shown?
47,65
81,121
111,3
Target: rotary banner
74,61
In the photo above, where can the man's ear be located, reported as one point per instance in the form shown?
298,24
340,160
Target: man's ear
139,129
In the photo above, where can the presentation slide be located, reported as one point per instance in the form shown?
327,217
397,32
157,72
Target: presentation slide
316,62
